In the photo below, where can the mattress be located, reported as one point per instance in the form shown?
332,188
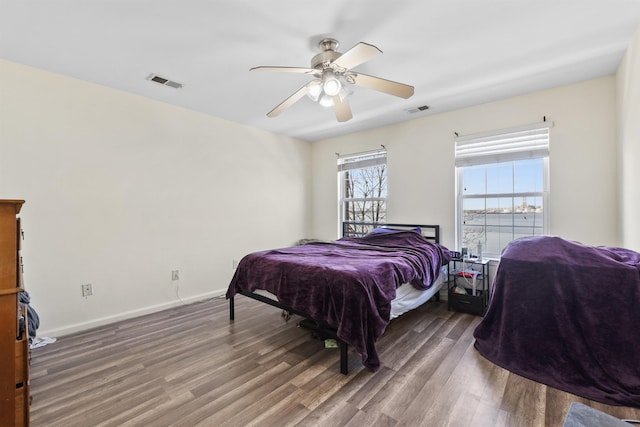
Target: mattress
407,297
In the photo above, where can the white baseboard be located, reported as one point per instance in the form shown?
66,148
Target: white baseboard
79,327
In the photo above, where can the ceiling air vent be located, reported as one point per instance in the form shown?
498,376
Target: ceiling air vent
417,109
163,81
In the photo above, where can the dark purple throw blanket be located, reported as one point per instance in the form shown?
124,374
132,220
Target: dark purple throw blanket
567,315
349,284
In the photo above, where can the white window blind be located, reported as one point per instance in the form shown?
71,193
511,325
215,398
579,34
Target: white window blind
524,142
362,160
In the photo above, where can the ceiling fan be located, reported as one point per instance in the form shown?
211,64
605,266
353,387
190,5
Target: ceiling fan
333,73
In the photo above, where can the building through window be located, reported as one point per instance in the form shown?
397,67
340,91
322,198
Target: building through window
363,189
502,187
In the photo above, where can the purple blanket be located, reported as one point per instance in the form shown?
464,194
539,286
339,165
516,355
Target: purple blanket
567,315
349,284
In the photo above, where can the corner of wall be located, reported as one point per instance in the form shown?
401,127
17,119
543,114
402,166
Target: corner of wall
628,106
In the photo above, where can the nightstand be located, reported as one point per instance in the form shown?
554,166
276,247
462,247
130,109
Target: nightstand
468,285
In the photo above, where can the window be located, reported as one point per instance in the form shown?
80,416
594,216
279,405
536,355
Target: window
363,188
502,187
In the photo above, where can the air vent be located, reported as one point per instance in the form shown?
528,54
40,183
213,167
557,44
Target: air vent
417,109
163,81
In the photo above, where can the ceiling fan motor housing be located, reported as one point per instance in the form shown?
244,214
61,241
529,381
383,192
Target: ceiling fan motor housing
327,55
323,59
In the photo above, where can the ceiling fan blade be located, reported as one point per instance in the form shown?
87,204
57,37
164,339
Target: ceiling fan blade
300,93
360,53
342,109
302,70
383,85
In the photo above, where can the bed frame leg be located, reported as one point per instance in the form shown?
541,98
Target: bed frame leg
344,358
232,313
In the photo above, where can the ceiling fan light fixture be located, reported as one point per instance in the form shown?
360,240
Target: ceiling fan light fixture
314,90
331,83
317,90
326,100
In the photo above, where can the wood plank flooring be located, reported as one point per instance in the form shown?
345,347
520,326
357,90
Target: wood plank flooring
191,366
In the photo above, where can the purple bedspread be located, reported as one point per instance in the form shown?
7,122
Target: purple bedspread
567,315
349,283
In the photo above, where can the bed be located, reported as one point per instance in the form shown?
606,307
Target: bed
567,315
345,288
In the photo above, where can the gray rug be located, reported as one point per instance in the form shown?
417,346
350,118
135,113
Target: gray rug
585,416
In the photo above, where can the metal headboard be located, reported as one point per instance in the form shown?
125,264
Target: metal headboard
357,229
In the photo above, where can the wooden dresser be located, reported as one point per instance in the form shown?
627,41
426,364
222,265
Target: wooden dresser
14,336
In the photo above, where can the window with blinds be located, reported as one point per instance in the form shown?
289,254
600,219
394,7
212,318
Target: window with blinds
502,187
362,181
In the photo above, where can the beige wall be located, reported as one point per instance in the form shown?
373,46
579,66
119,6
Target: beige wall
121,190
421,176
628,79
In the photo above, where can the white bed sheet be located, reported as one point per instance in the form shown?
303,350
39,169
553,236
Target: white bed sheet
407,297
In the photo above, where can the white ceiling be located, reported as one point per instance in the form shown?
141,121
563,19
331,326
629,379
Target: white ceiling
455,53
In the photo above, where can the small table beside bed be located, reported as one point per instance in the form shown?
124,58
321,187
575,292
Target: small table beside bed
351,288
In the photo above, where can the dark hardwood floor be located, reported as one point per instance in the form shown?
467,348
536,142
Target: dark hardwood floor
191,366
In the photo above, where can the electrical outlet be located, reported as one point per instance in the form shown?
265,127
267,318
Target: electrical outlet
175,275
87,290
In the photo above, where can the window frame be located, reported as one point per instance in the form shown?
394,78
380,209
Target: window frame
480,158
460,197
359,161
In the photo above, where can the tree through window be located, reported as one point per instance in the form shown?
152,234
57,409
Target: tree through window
363,188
